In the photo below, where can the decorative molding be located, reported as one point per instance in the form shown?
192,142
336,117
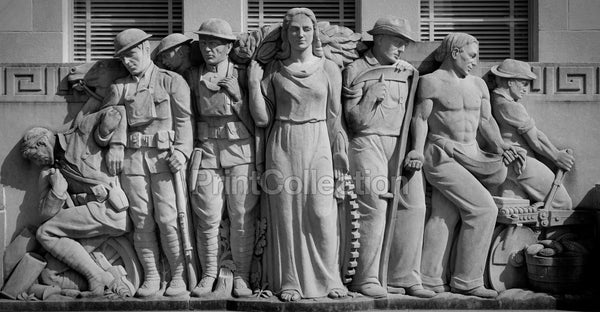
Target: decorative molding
47,82
35,83
560,82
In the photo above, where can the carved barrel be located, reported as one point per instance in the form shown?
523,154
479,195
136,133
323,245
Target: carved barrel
565,274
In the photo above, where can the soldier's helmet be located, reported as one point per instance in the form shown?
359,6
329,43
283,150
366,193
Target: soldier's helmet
128,39
172,41
216,27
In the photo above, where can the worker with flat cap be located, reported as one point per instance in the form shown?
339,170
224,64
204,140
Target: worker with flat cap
154,142
375,97
513,79
223,156
173,52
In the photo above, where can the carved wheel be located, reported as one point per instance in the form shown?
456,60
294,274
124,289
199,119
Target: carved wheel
119,251
506,266
349,225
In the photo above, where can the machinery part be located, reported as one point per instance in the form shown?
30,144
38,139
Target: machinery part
506,263
118,251
349,224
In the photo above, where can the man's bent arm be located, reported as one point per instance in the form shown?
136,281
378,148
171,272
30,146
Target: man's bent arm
487,124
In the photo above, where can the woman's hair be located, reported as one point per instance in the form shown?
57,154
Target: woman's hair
285,51
453,41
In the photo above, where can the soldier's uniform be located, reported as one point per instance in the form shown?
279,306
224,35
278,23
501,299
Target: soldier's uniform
157,105
96,204
222,167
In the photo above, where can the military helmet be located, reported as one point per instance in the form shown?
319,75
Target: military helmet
128,39
172,41
216,27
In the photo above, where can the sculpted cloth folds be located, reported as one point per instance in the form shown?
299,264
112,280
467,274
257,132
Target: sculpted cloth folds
303,229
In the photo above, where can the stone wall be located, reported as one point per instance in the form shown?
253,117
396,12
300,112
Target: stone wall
33,31
568,30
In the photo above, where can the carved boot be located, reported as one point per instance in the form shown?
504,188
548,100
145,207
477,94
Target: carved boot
146,248
242,248
172,248
208,247
75,256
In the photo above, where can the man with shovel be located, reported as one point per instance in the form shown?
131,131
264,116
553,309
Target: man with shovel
517,127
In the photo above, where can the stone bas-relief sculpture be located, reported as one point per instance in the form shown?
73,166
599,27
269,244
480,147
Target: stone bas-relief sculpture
173,52
452,107
79,198
301,110
517,127
284,119
376,97
223,161
153,142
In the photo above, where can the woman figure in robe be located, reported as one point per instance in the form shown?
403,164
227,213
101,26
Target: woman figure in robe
296,98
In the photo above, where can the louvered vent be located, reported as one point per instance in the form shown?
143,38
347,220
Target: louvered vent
97,22
501,26
338,12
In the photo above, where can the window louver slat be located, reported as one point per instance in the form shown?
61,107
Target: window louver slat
501,26
97,22
339,12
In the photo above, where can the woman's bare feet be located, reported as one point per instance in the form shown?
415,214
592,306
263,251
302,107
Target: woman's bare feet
337,293
289,295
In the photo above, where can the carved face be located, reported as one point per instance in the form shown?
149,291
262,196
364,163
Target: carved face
136,60
171,58
388,48
465,58
300,33
518,88
214,50
44,153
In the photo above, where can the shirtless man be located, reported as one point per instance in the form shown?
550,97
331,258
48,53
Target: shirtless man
453,105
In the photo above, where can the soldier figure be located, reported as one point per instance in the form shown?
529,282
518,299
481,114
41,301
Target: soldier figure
74,175
173,52
154,142
517,127
224,158
374,109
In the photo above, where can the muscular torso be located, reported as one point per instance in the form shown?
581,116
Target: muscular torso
456,106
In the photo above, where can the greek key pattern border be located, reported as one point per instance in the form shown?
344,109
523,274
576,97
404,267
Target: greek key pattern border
48,83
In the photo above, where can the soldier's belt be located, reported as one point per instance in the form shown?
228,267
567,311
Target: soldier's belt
233,130
98,193
161,140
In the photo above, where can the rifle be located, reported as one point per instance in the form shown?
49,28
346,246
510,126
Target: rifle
182,208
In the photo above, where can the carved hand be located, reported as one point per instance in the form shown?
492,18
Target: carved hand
255,72
377,91
402,65
414,160
58,182
114,158
110,121
176,161
509,154
231,86
340,165
564,160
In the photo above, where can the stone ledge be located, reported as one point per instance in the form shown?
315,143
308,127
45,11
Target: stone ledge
508,300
